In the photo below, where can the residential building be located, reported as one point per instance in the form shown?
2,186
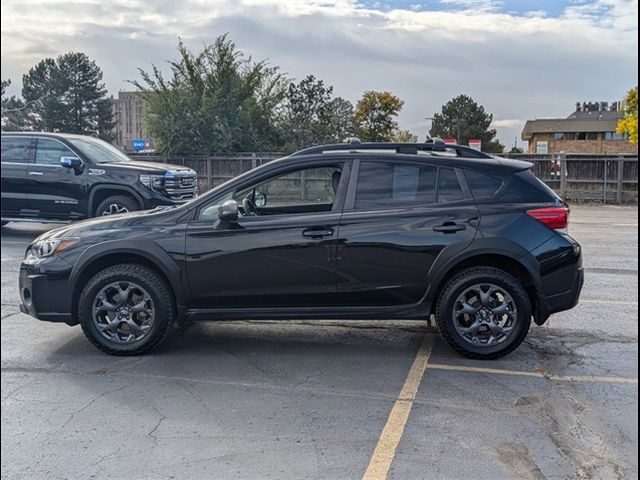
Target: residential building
590,129
128,114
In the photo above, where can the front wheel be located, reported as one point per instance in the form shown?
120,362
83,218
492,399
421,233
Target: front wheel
483,313
126,309
116,205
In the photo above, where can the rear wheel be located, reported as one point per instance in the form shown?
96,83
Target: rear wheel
126,309
116,205
484,313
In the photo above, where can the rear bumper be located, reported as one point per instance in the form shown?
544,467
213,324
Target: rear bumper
562,276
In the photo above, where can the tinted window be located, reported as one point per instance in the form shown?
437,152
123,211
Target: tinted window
14,150
99,151
383,184
50,151
449,189
483,186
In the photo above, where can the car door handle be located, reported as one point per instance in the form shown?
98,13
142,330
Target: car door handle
36,173
450,227
318,232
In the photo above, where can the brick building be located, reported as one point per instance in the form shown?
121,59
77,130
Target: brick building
591,129
128,116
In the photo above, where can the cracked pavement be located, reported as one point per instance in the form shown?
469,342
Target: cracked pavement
309,399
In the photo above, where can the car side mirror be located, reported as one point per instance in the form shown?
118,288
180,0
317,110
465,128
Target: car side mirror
72,162
228,211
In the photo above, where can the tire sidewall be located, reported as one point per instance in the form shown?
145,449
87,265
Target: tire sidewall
130,204
466,280
162,306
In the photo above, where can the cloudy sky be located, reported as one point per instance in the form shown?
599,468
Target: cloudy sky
521,59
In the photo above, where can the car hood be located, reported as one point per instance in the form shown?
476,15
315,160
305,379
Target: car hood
146,167
100,226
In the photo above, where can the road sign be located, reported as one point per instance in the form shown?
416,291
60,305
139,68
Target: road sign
138,144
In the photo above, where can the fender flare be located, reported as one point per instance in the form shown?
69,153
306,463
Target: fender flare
121,188
147,249
449,259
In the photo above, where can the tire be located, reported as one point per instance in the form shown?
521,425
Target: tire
139,280
115,205
452,325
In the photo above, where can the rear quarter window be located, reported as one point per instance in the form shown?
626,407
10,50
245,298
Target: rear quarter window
481,185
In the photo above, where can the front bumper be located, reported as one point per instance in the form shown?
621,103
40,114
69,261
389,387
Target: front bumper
44,289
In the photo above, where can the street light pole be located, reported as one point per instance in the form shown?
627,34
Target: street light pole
428,129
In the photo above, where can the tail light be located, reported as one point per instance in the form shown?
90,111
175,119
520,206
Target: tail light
556,218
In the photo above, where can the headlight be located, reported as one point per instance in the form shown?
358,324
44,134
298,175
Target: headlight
48,248
152,182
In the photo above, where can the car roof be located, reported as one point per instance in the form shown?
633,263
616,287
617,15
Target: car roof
46,134
493,165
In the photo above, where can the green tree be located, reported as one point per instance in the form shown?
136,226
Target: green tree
375,116
311,116
629,124
404,136
15,113
217,100
463,119
67,95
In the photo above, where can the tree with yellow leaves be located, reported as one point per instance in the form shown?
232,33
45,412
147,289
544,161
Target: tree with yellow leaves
629,124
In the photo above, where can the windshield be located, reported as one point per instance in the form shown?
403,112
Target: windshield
98,150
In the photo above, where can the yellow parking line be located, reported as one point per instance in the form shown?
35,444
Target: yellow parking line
559,378
392,432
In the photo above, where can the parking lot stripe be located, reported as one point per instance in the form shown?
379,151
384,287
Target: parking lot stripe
559,378
392,432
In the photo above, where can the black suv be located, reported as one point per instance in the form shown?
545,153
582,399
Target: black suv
59,177
370,231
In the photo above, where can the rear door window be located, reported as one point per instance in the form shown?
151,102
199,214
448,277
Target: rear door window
449,188
387,184
14,149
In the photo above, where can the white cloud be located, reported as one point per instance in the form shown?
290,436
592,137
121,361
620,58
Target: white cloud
517,66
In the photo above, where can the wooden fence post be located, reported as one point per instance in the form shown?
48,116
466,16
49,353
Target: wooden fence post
620,180
563,176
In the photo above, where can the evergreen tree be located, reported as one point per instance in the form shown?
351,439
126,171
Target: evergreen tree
311,117
464,119
68,95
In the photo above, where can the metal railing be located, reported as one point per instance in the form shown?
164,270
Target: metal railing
577,178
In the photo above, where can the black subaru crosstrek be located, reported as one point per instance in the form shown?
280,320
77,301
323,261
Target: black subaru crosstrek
369,231
59,177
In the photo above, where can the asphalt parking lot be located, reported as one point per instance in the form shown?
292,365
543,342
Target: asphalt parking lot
253,400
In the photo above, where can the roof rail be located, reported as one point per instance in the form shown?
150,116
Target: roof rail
432,145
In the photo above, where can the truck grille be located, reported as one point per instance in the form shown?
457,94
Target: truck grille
181,185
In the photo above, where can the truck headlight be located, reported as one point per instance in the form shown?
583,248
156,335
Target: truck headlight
152,182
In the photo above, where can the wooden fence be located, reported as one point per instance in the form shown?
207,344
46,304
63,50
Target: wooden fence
603,179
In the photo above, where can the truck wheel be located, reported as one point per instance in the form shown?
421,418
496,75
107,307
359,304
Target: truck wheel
126,309
115,205
483,313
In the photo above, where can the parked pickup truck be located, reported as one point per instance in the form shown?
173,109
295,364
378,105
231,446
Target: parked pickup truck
60,177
